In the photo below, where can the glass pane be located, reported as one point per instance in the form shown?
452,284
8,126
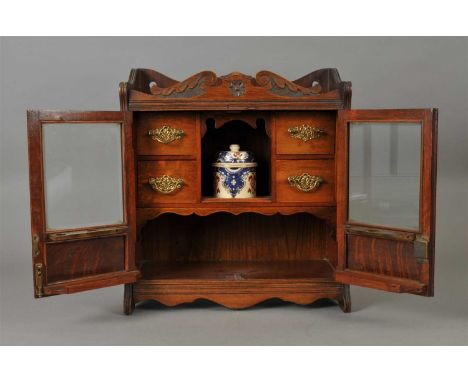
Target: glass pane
83,174
384,173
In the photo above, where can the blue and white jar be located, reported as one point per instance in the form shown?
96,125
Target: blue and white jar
234,174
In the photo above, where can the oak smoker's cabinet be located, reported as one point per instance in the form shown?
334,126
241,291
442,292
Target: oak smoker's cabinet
344,197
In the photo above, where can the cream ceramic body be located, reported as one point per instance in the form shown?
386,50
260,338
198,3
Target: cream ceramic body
234,174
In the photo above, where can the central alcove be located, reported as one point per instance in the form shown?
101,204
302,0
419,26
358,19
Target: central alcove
250,133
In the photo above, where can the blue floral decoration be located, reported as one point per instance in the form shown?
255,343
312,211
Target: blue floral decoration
234,181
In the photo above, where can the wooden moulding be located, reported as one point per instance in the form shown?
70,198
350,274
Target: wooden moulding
250,295
374,281
92,282
150,90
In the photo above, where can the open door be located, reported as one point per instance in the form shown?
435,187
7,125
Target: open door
386,174
82,185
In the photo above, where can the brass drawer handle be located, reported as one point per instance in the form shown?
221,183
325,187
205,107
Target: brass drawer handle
166,184
166,134
305,182
305,132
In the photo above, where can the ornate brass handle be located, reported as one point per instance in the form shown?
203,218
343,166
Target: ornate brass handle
305,182
166,184
166,134
305,132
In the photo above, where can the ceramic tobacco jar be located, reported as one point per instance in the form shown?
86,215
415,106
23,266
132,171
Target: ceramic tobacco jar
234,174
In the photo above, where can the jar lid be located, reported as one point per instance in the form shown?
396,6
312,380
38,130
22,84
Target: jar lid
235,158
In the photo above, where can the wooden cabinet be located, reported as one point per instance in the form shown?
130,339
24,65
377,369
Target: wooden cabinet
344,197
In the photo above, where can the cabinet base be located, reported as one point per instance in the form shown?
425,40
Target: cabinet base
236,296
237,285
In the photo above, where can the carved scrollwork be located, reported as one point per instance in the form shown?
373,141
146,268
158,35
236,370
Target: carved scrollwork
237,84
166,134
191,87
281,86
305,132
166,184
305,182
231,300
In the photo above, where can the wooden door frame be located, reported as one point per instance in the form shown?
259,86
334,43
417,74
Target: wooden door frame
426,231
41,236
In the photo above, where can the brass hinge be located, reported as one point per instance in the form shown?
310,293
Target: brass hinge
38,279
35,246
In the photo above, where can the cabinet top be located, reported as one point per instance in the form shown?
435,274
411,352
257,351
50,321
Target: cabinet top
150,90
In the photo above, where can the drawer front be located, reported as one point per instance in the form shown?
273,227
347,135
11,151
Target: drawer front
166,182
297,181
166,133
305,132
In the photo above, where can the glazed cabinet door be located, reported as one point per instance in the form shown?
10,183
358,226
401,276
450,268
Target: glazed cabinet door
386,177
82,186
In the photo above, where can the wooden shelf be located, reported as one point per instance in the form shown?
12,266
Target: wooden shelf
238,271
258,199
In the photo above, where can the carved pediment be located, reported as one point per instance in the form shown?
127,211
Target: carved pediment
236,84
206,89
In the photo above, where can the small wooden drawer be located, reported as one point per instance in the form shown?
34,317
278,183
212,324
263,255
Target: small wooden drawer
296,181
166,182
166,133
305,132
